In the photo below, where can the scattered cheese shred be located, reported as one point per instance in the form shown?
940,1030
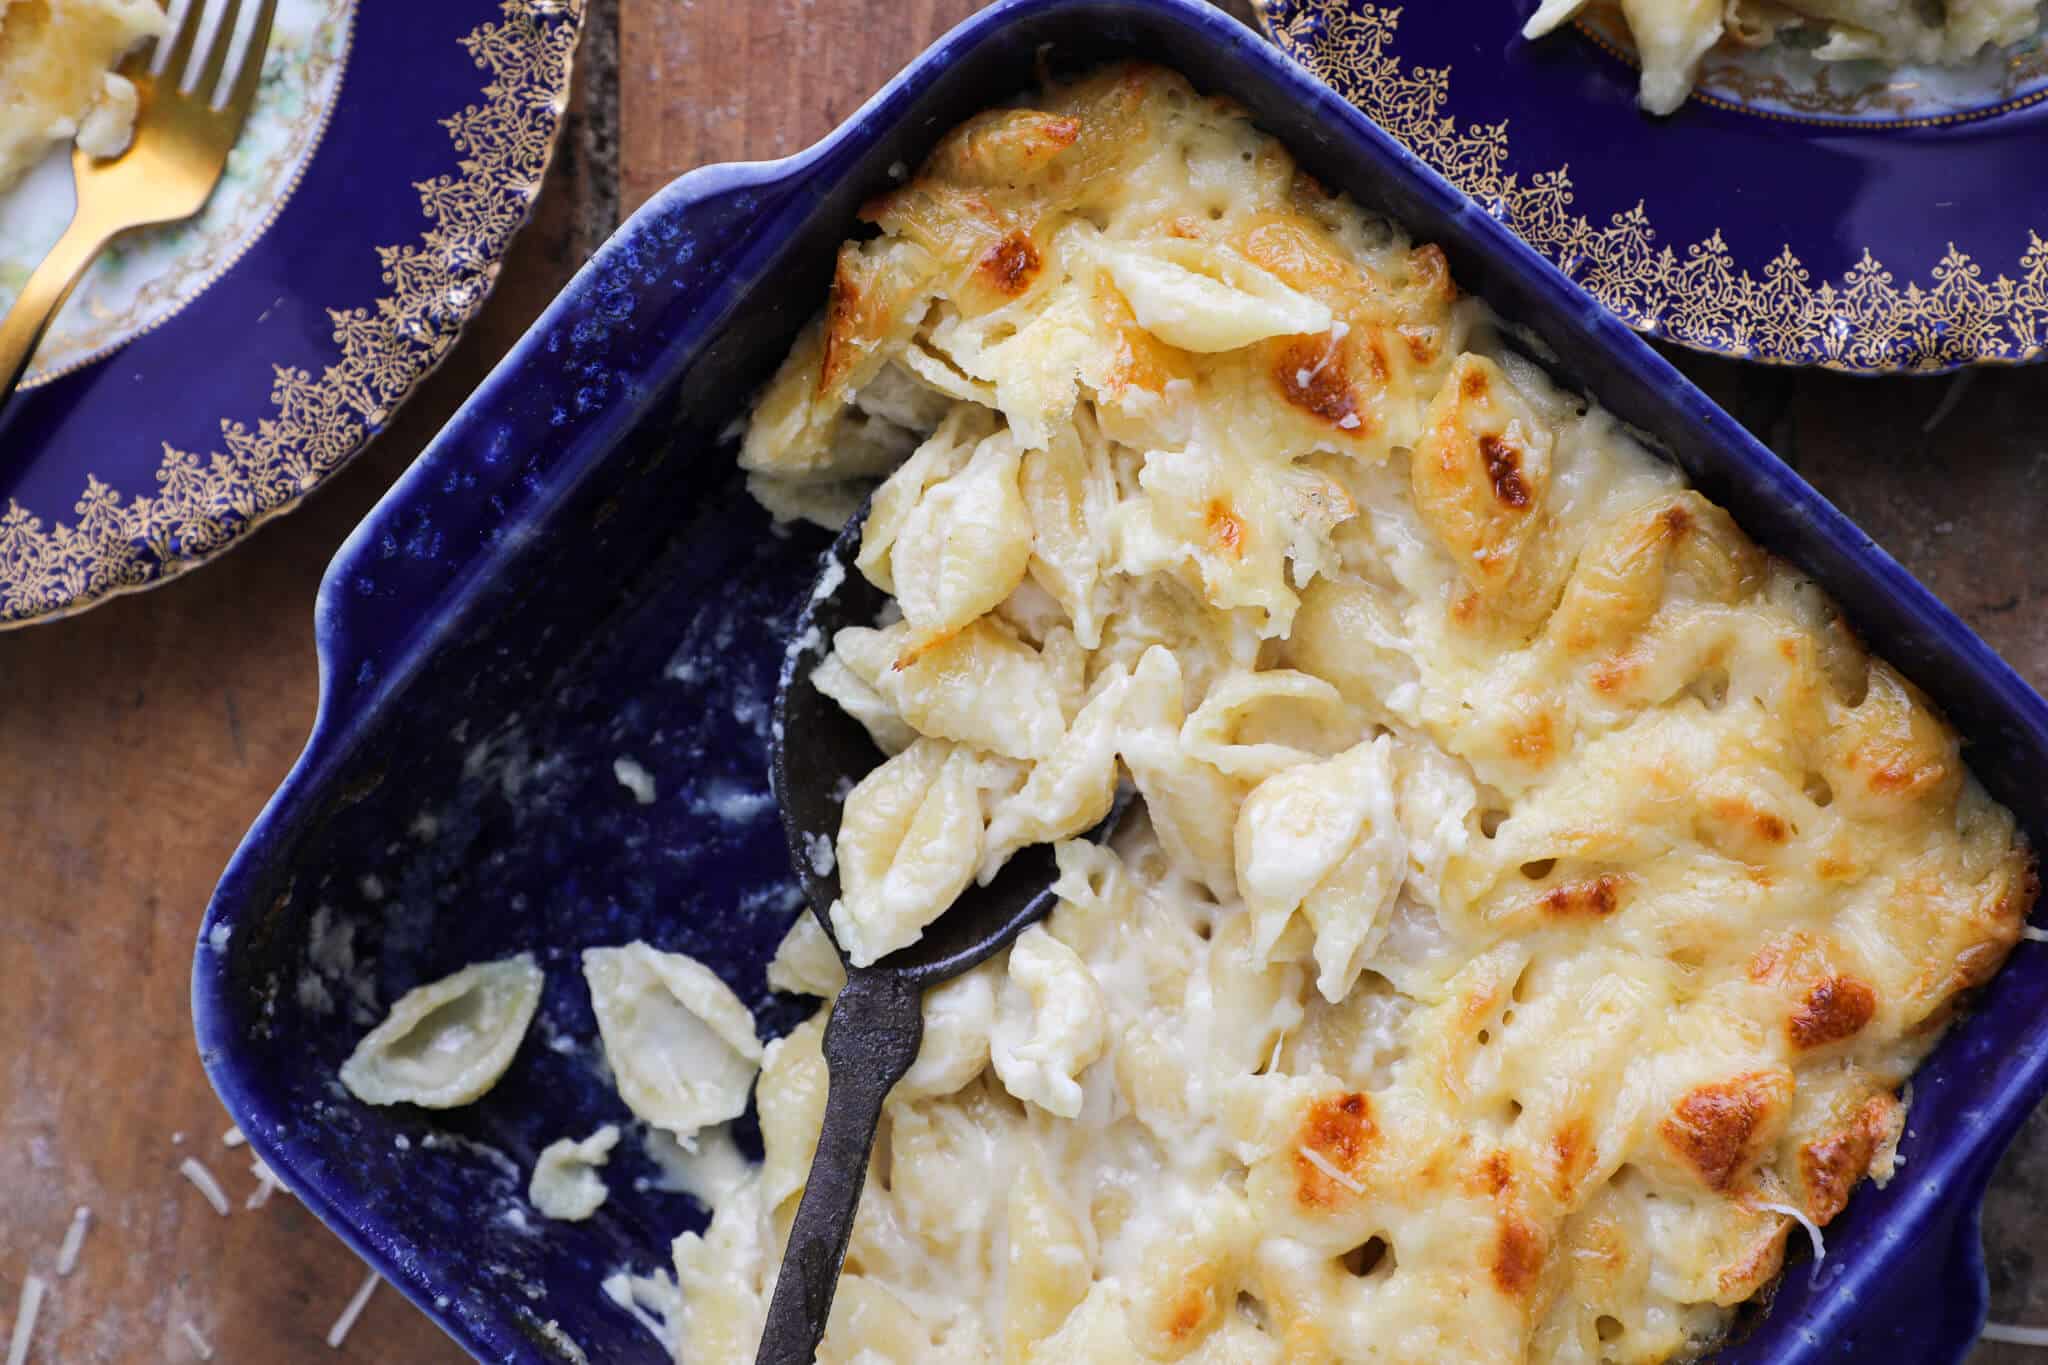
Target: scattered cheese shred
1820,1246
2015,1335
25,1321
1273,1063
2033,933
74,1239
1323,1164
339,1332
232,1138
202,1179
201,1347
267,1184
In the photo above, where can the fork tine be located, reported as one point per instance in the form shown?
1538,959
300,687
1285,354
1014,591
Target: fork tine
173,49
202,76
251,73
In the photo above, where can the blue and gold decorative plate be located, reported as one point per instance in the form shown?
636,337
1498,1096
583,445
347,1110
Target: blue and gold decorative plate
207,375
1793,212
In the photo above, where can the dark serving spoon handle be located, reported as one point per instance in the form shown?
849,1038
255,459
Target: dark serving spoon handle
871,1038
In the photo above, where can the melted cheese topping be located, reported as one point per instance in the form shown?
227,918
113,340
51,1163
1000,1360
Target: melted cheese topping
1538,896
56,80
1672,35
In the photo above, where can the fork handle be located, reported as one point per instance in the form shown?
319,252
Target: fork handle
21,331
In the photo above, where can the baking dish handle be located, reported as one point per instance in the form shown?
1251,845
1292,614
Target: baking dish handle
650,299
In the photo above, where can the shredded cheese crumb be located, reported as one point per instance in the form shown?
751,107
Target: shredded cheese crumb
634,779
2015,1335
1820,1246
201,1347
25,1321
202,1179
74,1239
232,1138
552,1330
267,1184
1323,1164
339,1332
2033,933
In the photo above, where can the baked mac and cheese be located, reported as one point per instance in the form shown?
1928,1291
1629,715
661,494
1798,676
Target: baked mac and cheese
1538,900
1671,36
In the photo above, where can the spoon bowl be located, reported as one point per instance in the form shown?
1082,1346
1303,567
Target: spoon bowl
817,752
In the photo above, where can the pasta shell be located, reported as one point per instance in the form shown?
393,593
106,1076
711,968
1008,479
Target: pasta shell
682,1047
445,1043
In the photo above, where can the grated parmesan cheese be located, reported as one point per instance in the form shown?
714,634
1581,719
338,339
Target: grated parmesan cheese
201,1347
2015,1335
25,1321
634,779
1820,1246
1324,1164
202,1180
232,1138
339,1332
267,1184
655,1302
74,1239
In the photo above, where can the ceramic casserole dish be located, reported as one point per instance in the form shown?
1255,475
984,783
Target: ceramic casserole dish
572,579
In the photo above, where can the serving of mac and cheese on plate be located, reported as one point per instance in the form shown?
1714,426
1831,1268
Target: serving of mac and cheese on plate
1540,898
1672,37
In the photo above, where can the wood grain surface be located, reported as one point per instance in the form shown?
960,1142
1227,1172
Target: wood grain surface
139,740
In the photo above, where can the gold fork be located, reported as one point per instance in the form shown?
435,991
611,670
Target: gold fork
190,110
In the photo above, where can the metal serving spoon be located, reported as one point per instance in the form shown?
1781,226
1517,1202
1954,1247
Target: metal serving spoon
877,1021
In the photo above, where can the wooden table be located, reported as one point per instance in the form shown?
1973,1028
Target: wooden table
138,741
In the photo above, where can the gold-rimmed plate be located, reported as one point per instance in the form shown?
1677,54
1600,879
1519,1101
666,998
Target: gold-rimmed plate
208,375
1792,212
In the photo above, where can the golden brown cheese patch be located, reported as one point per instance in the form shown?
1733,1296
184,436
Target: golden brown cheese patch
1591,897
1010,265
1141,360
1002,147
1313,375
1340,1130
1892,750
1837,1007
1765,826
872,293
1830,1166
1480,473
1191,1313
1519,1247
1753,1266
843,319
1572,1154
1504,469
1717,1129
1226,529
1429,271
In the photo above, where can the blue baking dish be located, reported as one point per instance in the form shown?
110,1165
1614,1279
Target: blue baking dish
572,577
